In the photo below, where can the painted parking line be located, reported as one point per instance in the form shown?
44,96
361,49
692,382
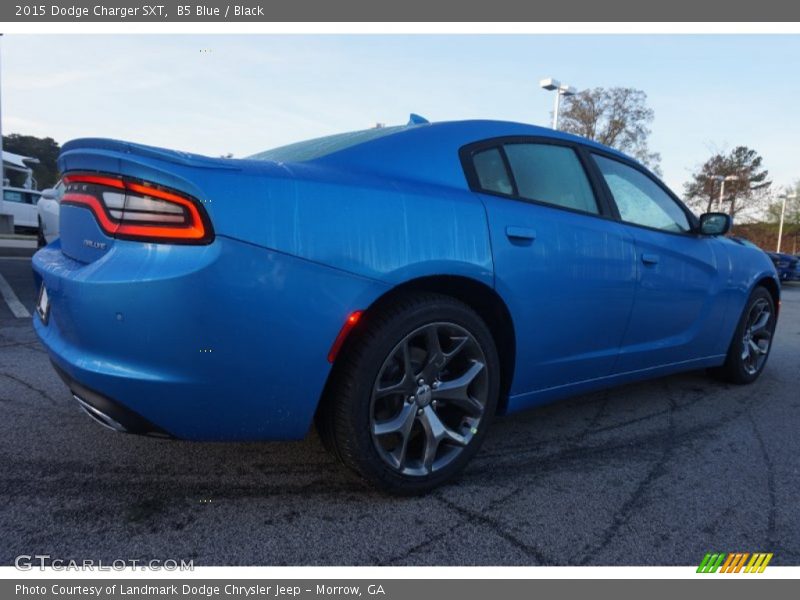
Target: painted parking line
17,308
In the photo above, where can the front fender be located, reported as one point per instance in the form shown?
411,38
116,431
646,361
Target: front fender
749,266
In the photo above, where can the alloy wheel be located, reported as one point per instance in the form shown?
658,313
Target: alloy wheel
757,337
428,399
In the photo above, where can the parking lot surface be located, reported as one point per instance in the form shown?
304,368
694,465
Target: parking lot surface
657,473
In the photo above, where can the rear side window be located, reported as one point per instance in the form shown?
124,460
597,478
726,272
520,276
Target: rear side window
641,200
551,174
544,173
491,171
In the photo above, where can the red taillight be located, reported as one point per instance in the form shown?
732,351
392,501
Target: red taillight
349,323
137,210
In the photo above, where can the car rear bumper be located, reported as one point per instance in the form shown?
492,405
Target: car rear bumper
108,412
221,342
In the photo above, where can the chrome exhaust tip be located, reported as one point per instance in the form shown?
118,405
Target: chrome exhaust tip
100,416
108,412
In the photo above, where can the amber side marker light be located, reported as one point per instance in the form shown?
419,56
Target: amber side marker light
136,210
349,323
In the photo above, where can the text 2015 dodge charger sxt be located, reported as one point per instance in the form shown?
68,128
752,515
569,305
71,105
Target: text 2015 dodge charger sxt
400,286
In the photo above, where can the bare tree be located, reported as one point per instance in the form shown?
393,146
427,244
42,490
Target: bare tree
617,117
747,185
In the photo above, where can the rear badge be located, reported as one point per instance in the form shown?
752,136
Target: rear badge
93,244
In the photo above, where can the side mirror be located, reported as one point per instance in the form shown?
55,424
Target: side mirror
49,194
715,223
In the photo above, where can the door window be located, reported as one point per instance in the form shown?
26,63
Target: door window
19,197
641,200
13,196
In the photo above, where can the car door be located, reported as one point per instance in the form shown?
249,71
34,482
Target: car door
679,305
31,211
22,206
563,265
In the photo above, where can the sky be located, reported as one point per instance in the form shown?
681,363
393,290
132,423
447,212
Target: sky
241,94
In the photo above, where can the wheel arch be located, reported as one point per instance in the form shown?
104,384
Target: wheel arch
484,300
764,280
772,287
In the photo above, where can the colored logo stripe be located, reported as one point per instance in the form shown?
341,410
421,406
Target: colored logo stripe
758,563
711,563
733,562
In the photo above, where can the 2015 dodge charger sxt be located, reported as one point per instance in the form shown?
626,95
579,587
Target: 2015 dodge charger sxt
399,286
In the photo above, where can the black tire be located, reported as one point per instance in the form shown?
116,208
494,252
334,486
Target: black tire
737,369
346,419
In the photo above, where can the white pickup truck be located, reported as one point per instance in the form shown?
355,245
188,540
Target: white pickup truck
21,204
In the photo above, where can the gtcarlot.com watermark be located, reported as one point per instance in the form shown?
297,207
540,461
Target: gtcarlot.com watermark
28,562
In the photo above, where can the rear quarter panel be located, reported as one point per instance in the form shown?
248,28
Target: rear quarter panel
388,230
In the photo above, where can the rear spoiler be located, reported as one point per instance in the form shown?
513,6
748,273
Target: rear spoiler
177,170
72,151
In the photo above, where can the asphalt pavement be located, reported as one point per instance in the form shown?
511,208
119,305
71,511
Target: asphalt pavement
656,473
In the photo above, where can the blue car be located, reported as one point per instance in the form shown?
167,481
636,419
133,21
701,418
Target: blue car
787,266
398,286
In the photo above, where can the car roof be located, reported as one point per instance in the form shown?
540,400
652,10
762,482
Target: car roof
426,151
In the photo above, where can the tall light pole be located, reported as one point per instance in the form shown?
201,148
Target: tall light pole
722,179
561,89
784,197
2,159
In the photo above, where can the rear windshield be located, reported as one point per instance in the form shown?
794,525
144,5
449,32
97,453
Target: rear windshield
319,147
